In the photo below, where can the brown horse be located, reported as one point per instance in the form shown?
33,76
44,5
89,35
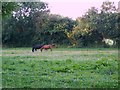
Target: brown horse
46,47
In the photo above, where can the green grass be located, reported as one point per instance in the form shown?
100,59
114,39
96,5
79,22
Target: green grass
61,68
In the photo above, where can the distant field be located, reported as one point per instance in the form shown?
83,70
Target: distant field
61,68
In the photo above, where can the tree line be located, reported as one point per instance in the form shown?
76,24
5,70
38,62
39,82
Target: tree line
28,23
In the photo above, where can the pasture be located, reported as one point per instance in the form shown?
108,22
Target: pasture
61,68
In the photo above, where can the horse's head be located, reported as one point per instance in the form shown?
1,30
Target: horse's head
53,45
103,40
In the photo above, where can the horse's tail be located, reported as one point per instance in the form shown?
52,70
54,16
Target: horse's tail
33,49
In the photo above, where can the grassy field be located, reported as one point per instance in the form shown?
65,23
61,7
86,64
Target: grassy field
61,68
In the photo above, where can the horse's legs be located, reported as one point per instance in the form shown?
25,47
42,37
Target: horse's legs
41,49
51,49
33,49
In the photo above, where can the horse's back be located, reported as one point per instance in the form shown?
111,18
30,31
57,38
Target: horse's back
38,46
46,46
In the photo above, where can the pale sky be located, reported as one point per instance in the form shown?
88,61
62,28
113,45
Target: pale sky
74,8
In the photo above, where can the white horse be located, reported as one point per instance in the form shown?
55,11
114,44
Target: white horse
109,42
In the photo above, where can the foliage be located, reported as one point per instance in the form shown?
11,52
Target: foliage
32,23
53,30
21,31
8,7
108,7
94,26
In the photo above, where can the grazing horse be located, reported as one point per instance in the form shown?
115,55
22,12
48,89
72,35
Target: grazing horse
109,42
34,48
46,47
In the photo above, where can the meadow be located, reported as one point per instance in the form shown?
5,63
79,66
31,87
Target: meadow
61,68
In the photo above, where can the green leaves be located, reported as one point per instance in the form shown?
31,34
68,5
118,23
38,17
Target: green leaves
108,7
7,8
32,23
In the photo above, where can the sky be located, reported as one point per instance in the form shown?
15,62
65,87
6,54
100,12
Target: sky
74,8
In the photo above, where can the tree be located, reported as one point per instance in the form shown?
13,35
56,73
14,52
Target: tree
7,8
109,21
85,31
20,29
108,7
93,26
54,28
32,23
